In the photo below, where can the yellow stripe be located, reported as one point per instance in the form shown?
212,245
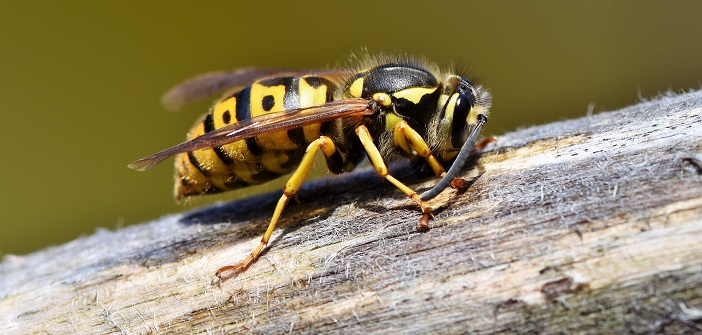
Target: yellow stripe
258,92
448,113
239,151
310,96
209,161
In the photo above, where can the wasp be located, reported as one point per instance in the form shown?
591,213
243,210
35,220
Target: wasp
272,122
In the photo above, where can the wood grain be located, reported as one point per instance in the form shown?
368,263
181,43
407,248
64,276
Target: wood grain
589,226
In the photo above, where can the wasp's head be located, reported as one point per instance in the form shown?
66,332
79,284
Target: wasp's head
460,105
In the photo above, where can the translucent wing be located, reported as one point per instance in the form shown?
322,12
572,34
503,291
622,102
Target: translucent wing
260,125
207,84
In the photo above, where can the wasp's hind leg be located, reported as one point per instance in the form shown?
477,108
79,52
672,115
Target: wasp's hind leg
377,161
289,191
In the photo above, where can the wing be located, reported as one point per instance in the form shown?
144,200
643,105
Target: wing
207,84
260,125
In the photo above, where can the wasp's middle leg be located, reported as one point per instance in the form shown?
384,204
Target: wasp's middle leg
290,190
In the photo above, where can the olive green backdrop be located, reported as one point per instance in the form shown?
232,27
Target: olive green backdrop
80,81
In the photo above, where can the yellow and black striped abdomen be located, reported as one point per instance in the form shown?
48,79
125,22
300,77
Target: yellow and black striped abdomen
258,159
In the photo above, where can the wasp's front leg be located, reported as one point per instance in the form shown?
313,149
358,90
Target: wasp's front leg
410,141
377,161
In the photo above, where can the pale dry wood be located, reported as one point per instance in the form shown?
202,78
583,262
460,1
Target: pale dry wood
591,225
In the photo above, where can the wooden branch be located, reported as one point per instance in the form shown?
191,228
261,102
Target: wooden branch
591,225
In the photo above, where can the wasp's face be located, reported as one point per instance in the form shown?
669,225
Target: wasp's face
465,102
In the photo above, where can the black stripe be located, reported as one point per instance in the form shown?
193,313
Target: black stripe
263,174
209,123
335,163
196,164
292,101
315,82
209,126
330,94
253,146
243,104
223,156
211,189
235,182
275,81
297,135
327,128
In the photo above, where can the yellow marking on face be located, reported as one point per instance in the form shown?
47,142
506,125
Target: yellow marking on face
414,94
448,114
356,88
472,116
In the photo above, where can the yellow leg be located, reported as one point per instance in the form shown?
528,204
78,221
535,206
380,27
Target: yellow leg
404,133
405,137
382,170
289,191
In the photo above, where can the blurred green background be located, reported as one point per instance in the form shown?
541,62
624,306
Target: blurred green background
80,82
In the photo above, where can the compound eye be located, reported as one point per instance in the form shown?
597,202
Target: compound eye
459,129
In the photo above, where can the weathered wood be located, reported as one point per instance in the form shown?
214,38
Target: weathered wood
591,225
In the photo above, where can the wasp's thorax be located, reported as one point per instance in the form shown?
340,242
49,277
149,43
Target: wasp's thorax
403,91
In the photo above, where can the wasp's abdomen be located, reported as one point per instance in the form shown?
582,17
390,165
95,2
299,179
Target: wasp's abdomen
258,159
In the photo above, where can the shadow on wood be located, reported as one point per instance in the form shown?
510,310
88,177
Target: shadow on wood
591,225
